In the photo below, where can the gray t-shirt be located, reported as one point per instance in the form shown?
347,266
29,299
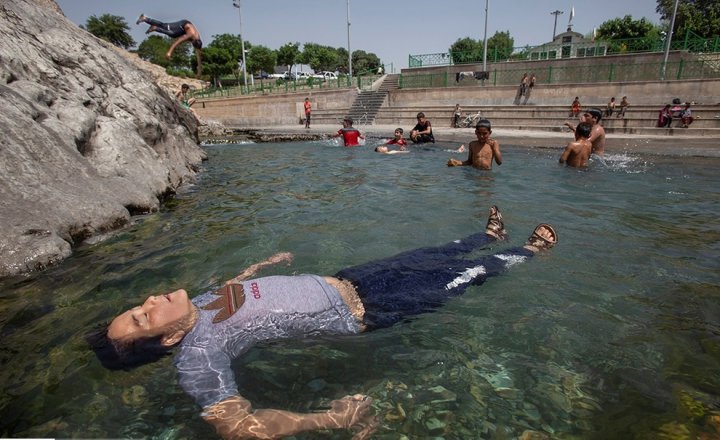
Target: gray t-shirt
276,307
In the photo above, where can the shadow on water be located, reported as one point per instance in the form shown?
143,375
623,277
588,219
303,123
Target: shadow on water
615,333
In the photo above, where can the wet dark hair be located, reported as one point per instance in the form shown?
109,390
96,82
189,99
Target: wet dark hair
583,130
483,123
129,353
125,354
185,86
399,129
197,44
595,113
421,115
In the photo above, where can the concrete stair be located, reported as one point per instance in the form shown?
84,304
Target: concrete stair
638,119
368,102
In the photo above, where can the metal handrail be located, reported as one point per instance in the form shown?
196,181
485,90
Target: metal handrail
708,67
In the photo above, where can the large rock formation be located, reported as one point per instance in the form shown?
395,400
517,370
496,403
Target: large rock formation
88,139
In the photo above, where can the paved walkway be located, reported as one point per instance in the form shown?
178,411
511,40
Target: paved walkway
678,144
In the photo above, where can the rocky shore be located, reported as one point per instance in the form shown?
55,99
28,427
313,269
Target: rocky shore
89,139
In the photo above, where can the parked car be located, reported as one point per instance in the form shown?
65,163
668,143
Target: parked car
324,76
277,75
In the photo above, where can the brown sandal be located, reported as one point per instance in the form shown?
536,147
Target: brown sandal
495,226
537,241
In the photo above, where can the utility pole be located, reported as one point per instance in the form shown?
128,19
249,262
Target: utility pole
237,4
485,38
348,32
669,40
555,13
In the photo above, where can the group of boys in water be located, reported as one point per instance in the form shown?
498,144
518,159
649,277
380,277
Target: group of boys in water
589,139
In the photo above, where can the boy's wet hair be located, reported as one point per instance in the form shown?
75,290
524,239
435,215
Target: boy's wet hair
124,355
421,115
400,130
595,112
483,123
583,130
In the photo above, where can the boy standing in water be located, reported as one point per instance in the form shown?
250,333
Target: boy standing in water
349,133
577,153
597,135
483,151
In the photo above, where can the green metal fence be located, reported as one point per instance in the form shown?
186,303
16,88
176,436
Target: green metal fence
690,43
595,73
269,86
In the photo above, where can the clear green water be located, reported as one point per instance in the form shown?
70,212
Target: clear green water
615,333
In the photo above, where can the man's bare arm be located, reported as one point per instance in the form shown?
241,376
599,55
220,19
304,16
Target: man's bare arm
280,257
234,418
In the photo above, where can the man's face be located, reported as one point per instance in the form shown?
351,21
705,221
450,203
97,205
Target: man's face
482,133
587,117
154,314
398,134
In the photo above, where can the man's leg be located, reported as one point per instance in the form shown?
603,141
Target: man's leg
419,281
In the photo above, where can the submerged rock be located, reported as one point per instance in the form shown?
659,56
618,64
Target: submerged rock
88,139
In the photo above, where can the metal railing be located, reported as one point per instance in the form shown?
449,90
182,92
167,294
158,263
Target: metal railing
690,42
363,81
595,73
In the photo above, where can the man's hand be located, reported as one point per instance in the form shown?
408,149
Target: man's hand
454,163
351,411
280,257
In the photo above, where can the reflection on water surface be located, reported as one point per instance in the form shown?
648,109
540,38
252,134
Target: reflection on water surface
612,334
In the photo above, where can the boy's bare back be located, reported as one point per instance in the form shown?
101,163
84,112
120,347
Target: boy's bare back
577,153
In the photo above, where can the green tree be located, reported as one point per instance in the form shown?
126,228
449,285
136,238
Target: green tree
154,48
217,62
500,46
288,55
702,17
364,61
342,60
629,35
110,28
319,57
261,59
233,44
466,50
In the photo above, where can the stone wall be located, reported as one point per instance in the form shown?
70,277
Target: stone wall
272,109
638,92
88,138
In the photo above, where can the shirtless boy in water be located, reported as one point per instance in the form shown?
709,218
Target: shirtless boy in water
597,134
576,153
483,151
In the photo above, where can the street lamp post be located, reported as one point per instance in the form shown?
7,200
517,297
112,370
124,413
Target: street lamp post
669,40
238,5
485,38
555,13
348,32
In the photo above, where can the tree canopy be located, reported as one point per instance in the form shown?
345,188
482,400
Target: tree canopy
288,54
111,28
468,50
626,28
154,48
701,17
